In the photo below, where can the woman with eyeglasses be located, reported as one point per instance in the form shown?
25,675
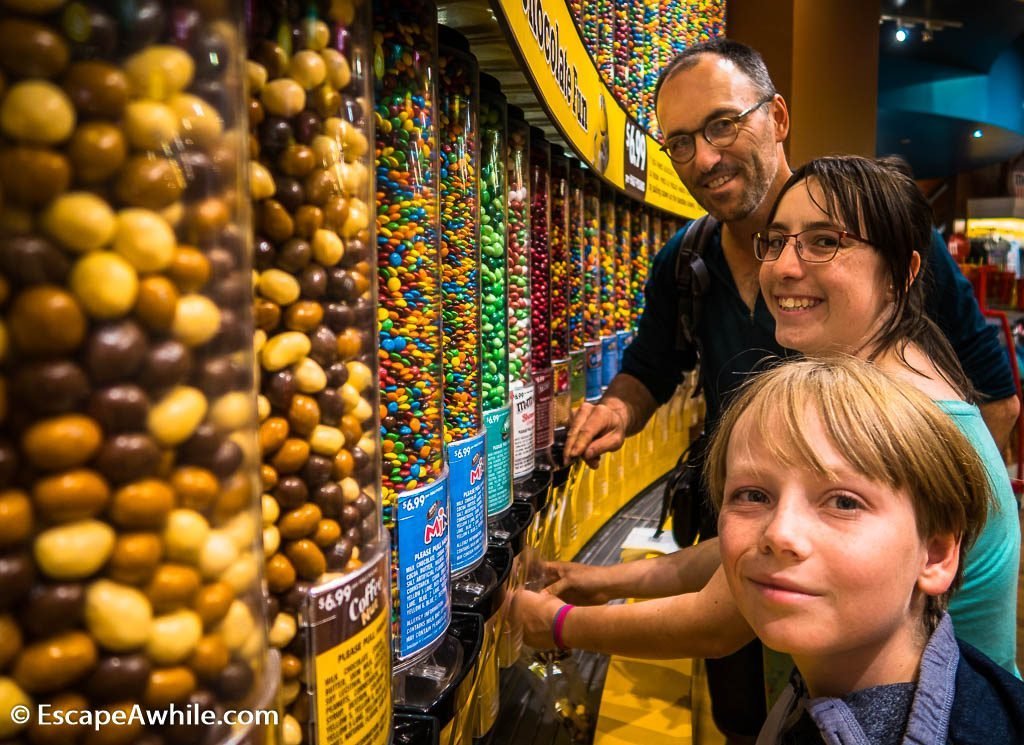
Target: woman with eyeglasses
842,273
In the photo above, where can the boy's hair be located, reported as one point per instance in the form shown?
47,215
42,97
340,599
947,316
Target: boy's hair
886,429
878,200
747,59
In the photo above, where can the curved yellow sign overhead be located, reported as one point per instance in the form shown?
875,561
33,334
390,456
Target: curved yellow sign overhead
544,37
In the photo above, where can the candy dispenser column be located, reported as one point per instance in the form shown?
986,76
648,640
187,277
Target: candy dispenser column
520,350
311,189
592,310
459,140
609,253
640,257
415,497
559,245
577,296
494,283
623,270
540,291
130,564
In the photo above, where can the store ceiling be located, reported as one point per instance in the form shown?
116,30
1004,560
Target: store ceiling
934,95
922,114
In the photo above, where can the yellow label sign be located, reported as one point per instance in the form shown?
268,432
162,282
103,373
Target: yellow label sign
584,109
353,677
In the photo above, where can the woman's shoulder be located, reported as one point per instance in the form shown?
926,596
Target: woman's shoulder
916,368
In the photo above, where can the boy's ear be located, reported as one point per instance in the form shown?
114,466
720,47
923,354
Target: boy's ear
941,561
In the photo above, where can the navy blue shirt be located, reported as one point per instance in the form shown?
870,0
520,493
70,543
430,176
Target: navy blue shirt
736,342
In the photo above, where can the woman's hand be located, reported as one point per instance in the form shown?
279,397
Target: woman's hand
535,612
579,584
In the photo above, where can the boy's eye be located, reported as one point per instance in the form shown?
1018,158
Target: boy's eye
845,502
754,496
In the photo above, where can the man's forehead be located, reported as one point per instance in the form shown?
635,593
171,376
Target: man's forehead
713,83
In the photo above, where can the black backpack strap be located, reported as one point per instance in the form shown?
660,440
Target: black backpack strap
692,280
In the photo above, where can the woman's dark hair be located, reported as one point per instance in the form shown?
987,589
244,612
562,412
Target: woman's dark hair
879,200
747,59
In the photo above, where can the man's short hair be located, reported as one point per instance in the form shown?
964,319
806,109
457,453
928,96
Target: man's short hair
885,428
746,58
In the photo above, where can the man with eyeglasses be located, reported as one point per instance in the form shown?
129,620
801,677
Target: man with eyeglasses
724,127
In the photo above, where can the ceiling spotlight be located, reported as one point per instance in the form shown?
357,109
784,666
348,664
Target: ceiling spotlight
901,35
977,134
926,35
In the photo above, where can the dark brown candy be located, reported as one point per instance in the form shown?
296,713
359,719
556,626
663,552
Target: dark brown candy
128,457
120,408
294,255
93,33
291,492
118,678
279,388
331,406
339,555
324,346
337,374
115,351
31,260
317,471
338,316
313,282
201,177
51,609
275,135
144,22
330,499
8,464
16,578
235,681
167,364
51,387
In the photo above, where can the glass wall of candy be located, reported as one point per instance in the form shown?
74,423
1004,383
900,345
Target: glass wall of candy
311,189
559,250
520,350
640,259
592,311
479,575
540,292
623,271
494,282
429,663
130,560
458,132
609,255
577,282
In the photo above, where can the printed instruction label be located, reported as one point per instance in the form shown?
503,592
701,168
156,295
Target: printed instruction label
592,355
625,339
609,359
523,424
544,383
467,482
424,566
352,658
498,434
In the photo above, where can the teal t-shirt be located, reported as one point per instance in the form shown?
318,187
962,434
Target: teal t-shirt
984,609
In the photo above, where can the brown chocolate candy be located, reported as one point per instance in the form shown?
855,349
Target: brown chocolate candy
52,609
118,678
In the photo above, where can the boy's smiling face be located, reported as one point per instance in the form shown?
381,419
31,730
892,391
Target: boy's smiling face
832,572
